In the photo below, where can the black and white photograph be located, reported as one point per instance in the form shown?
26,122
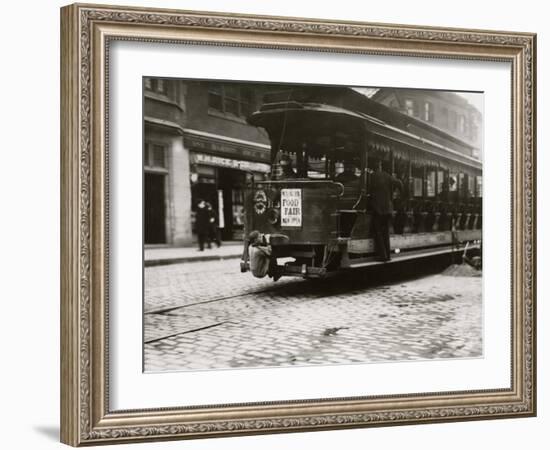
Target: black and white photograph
295,225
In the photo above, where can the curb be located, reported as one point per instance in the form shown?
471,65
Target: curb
201,258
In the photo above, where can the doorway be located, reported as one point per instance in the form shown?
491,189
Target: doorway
154,209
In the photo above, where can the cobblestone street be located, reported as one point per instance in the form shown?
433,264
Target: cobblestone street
206,315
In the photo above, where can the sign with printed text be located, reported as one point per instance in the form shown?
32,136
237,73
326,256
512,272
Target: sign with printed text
218,161
291,207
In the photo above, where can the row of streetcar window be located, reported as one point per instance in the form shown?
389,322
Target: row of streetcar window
428,180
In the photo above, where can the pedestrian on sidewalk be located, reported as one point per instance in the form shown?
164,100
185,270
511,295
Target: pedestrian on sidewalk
213,230
202,224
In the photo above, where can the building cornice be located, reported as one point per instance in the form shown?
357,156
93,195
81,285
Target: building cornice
162,123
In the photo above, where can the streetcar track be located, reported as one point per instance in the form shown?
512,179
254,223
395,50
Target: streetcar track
150,341
322,287
350,276
217,299
292,286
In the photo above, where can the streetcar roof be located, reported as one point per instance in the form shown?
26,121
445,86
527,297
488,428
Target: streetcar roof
276,116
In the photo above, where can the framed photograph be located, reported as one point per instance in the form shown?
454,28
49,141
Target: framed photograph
275,224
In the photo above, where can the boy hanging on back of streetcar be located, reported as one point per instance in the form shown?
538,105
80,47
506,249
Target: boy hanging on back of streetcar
262,261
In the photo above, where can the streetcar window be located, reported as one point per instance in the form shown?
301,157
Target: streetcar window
440,181
417,187
479,187
347,170
376,157
453,182
316,168
462,187
401,170
417,180
470,186
430,183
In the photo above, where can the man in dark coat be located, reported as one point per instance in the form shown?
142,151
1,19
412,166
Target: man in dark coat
382,186
213,234
202,224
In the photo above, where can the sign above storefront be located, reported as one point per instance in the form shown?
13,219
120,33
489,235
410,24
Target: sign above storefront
218,161
229,149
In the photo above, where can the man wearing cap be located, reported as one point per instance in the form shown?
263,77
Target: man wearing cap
202,224
286,167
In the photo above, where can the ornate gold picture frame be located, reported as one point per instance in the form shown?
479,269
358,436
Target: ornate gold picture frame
87,32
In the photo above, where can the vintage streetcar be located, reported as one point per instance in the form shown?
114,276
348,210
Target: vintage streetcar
315,205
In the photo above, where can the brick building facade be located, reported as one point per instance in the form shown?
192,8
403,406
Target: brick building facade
197,145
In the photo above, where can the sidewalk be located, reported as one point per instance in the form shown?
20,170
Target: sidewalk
172,255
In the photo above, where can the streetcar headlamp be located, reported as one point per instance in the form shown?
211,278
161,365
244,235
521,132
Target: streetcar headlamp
260,202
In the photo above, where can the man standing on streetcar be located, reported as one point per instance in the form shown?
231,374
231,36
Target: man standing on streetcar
382,186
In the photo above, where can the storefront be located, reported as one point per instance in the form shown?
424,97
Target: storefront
219,168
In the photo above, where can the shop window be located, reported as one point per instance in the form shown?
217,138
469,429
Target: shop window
231,99
237,197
